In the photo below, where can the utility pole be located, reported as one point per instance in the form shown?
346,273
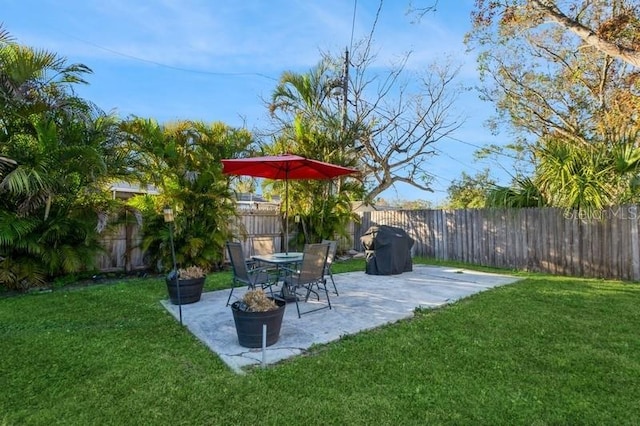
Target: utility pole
345,89
345,92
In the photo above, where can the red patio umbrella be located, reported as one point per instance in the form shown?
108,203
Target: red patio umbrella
284,167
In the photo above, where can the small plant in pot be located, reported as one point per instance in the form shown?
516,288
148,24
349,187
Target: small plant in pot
254,310
191,281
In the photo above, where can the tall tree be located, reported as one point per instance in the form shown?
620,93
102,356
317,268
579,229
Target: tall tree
545,80
614,34
397,115
388,119
307,114
470,191
398,118
554,84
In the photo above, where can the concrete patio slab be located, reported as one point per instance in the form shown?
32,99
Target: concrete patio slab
365,302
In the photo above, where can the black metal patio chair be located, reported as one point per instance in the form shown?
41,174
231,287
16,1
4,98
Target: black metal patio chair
309,275
251,277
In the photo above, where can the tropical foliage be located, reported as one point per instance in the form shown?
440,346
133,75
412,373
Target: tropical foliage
59,154
59,151
309,121
182,160
522,193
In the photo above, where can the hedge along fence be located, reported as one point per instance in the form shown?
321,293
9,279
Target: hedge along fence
603,244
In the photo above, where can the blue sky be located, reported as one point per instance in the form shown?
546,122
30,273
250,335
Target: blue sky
217,60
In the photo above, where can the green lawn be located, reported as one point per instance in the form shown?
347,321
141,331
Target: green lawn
545,350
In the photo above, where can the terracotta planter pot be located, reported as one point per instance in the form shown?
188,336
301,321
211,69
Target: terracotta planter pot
190,290
249,325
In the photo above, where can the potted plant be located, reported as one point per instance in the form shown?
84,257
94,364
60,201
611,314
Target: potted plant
253,311
191,282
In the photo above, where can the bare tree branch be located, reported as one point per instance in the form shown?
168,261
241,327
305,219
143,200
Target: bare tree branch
419,12
553,13
399,122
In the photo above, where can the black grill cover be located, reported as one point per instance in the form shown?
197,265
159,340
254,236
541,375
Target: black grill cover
388,250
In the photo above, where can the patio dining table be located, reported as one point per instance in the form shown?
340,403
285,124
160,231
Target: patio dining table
279,258
283,263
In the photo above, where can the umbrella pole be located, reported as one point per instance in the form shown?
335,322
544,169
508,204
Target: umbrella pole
286,214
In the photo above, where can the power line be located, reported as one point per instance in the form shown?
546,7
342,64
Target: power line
482,147
353,23
163,65
456,160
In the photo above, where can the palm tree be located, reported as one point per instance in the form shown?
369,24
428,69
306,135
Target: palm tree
35,80
576,177
310,95
523,193
35,96
183,160
589,177
310,124
61,151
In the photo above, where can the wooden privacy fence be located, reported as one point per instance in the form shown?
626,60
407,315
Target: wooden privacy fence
123,254
602,244
122,251
258,223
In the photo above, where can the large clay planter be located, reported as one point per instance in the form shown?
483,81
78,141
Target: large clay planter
249,325
190,290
